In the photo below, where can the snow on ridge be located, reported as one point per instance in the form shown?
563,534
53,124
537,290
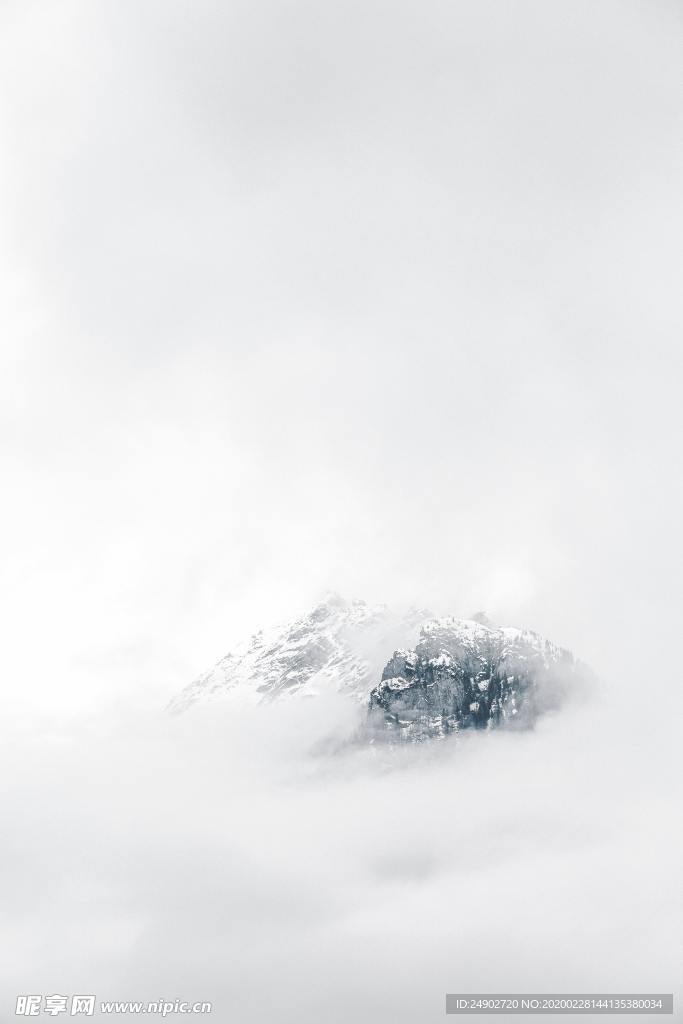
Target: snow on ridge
338,646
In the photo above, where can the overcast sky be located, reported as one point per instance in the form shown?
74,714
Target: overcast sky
383,297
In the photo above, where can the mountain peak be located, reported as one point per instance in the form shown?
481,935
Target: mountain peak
445,674
339,646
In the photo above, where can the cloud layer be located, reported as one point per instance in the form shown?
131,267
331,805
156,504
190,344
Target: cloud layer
218,856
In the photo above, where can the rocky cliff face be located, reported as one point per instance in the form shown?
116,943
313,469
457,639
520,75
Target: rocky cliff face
468,674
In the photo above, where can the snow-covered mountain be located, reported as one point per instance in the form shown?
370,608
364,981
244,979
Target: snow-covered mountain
468,673
444,674
339,646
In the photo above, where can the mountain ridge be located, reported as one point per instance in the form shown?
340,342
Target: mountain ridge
339,646
417,675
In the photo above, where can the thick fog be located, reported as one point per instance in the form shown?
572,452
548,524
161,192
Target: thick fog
216,856
377,297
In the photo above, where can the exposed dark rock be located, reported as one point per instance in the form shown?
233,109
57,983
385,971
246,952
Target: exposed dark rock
468,674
